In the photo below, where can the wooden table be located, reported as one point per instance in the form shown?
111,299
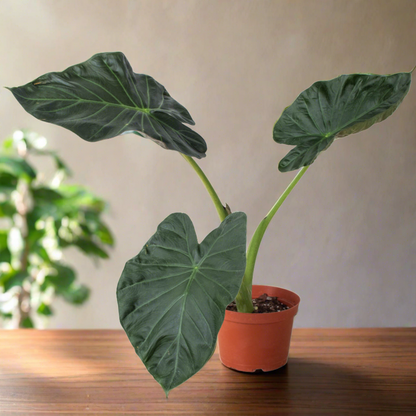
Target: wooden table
330,372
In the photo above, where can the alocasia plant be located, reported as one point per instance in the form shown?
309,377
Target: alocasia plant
172,296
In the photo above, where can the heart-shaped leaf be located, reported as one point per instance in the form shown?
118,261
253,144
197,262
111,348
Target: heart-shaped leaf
103,98
172,296
331,109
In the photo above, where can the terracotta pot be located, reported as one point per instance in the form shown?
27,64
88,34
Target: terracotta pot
250,342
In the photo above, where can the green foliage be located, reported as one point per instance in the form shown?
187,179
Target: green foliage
39,219
16,166
27,323
76,294
6,315
103,98
12,278
332,109
5,256
173,294
44,309
60,279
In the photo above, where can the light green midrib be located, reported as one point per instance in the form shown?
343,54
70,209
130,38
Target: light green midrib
355,120
141,110
345,126
185,296
106,103
120,83
192,278
222,234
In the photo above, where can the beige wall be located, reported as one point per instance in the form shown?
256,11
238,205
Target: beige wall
345,240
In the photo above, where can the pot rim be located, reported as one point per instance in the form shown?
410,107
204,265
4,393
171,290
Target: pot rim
287,296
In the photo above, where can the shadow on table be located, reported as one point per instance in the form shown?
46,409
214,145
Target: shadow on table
322,387
113,378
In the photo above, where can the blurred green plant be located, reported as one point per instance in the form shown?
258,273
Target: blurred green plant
37,221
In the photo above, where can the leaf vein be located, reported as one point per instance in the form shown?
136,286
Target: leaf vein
217,283
153,280
157,297
100,86
209,296
161,317
121,84
106,124
224,251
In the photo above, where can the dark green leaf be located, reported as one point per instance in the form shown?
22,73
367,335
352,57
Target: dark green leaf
11,279
38,249
43,210
78,197
45,309
35,235
76,294
45,194
63,277
332,109
5,255
6,315
103,98
104,234
27,323
87,232
3,239
7,209
61,165
8,182
172,296
95,227
16,166
90,248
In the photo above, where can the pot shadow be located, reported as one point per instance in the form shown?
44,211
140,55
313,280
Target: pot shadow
318,388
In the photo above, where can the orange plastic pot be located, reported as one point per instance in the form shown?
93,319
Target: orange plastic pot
250,342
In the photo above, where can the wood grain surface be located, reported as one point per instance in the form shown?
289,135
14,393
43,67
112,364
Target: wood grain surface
96,372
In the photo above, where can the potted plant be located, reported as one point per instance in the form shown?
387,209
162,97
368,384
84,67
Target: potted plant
40,218
173,295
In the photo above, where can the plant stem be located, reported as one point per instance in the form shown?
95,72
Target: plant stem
243,298
24,294
23,300
24,306
222,213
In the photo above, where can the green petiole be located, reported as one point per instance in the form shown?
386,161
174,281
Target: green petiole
222,213
243,298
